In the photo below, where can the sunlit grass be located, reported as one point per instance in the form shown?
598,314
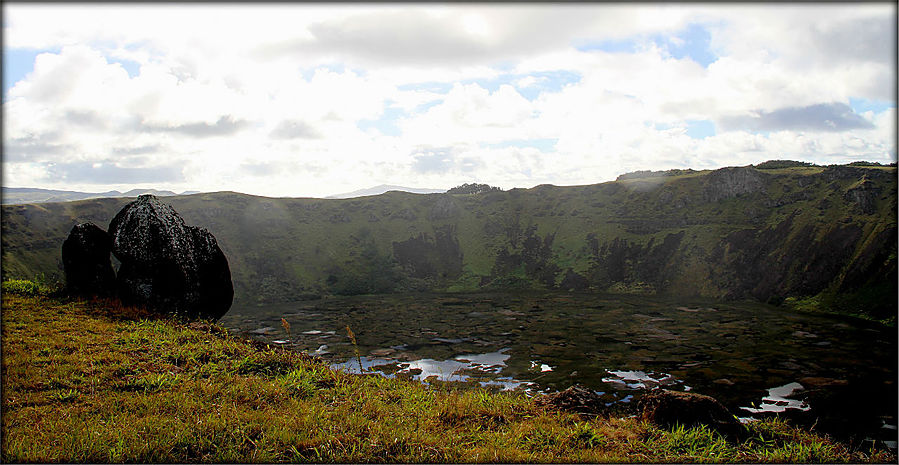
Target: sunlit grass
24,287
91,381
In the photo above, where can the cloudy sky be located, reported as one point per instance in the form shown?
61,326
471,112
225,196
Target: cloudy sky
317,99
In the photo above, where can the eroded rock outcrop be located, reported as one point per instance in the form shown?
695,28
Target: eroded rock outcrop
727,183
443,208
168,266
85,257
864,194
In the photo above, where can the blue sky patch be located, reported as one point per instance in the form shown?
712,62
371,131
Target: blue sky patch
546,81
700,129
132,67
543,145
427,105
694,44
17,63
861,105
610,46
386,124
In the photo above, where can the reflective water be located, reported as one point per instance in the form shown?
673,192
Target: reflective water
757,359
778,400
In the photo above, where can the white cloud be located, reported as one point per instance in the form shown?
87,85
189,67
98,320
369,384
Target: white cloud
529,81
270,99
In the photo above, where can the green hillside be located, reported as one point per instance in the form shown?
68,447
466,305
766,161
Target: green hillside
826,235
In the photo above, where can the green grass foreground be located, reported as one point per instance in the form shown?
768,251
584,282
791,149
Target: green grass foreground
90,381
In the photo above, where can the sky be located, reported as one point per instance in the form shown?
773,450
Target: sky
310,100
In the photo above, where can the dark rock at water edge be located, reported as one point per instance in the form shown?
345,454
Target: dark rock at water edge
168,266
838,409
575,399
670,408
85,257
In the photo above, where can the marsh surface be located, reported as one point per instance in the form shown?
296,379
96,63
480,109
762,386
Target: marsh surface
757,359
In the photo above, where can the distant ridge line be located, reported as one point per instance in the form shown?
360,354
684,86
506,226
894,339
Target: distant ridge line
380,189
23,195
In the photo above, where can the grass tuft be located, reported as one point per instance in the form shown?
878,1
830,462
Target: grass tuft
24,287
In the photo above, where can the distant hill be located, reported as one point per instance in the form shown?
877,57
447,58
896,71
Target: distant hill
19,195
826,232
653,174
378,190
473,189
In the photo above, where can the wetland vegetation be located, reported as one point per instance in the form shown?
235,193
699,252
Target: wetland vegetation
90,381
842,369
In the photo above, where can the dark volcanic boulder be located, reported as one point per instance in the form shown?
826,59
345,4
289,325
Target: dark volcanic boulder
85,257
213,275
669,408
168,266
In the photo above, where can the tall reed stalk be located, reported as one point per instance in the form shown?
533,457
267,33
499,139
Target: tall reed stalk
286,326
349,332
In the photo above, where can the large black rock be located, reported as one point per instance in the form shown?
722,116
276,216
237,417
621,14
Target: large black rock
168,266
85,257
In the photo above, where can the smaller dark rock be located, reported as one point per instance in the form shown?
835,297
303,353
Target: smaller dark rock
85,257
213,276
575,399
670,408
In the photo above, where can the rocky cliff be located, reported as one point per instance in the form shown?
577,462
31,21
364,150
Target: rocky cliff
733,233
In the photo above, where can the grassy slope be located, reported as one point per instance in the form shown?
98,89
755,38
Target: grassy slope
282,249
93,382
